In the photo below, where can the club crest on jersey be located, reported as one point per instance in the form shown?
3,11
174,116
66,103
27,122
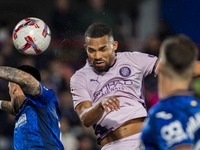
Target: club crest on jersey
125,71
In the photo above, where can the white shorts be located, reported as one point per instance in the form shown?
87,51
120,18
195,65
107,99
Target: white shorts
129,143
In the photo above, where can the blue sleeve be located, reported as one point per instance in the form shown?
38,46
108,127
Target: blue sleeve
43,99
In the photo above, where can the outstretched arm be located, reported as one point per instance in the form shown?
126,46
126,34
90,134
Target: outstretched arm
27,82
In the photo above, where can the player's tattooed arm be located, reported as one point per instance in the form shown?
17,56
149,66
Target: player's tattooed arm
27,82
8,107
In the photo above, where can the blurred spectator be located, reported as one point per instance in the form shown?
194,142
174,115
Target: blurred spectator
69,140
127,16
97,12
57,81
151,97
5,143
67,109
196,86
27,60
6,28
164,30
87,142
152,46
64,22
66,76
4,31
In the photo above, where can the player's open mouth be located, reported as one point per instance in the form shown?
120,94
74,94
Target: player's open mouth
100,63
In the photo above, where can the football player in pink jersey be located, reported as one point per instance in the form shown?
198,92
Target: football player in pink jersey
108,91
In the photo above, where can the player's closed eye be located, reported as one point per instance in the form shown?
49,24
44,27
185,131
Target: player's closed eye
102,49
91,50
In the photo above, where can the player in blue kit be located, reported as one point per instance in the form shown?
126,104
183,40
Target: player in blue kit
35,107
174,123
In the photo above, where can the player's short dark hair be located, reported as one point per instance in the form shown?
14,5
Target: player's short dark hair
180,52
31,70
97,30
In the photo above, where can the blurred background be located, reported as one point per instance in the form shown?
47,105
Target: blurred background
138,25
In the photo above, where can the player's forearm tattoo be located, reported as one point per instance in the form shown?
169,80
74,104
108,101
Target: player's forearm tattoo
28,83
11,74
7,107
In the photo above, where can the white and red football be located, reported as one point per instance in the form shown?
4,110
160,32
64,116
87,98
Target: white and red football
31,36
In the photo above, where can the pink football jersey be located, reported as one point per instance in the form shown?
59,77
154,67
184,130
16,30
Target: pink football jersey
123,80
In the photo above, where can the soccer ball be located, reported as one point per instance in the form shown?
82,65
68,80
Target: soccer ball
31,36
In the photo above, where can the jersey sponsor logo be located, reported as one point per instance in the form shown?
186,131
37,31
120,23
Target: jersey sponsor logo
112,86
164,115
193,125
125,71
173,133
21,121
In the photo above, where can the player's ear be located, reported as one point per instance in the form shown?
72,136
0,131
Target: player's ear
85,46
115,45
159,65
15,86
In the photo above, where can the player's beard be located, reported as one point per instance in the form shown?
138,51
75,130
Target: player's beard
104,68
101,68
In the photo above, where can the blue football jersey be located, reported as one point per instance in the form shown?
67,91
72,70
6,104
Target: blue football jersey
37,123
173,121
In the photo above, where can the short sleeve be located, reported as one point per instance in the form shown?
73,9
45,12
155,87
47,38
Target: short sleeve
79,89
146,62
43,99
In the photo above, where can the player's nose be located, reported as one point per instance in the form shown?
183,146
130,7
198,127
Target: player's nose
98,55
